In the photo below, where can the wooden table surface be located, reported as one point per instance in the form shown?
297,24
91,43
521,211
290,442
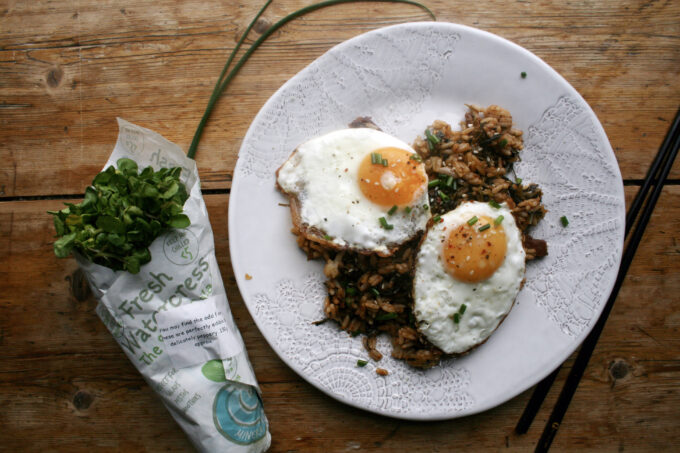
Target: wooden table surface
69,68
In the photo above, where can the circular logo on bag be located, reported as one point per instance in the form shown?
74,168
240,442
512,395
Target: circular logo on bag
238,414
132,139
230,368
181,247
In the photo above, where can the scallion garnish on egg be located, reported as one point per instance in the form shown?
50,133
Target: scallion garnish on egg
436,219
472,221
484,227
376,158
362,363
433,183
462,309
392,210
498,220
456,318
416,157
443,196
494,204
384,224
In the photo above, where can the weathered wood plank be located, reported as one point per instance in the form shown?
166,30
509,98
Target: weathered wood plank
66,386
68,69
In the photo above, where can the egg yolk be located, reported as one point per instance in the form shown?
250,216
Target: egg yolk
389,177
471,255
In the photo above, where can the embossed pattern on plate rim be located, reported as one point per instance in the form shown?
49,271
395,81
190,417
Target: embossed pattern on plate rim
606,286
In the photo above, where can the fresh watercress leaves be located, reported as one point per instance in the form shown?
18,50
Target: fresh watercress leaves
122,213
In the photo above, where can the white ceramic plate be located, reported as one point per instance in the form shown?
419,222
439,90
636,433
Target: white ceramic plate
404,77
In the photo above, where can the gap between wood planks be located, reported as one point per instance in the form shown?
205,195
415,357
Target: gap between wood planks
626,182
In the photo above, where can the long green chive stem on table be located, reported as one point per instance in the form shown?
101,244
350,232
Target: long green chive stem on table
223,81
217,90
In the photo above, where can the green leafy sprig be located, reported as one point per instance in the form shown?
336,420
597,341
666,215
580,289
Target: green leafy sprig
123,212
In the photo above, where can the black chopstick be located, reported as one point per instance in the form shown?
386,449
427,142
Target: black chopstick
537,398
669,150
543,387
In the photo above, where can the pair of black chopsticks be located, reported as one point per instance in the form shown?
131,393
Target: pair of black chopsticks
636,221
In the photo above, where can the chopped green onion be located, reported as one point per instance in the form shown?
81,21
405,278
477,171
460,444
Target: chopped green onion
456,318
518,181
327,237
375,291
523,74
386,316
392,210
351,290
407,209
502,143
472,221
425,207
443,196
376,158
384,224
462,309
564,220
498,220
437,219
384,162
416,157
484,227
362,363
431,137
433,183
449,181
455,184
430,146
494,204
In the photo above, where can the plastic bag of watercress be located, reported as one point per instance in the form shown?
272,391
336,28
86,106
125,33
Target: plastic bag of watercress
171,315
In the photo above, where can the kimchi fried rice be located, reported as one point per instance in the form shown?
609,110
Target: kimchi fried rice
369,294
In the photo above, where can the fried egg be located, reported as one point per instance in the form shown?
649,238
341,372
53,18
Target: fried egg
469,269
358,189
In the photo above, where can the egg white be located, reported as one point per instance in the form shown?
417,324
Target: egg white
323,174
438,295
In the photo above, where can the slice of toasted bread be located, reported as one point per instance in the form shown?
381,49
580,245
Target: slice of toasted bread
315,234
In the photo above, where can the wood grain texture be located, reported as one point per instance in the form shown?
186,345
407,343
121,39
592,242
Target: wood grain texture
67,70
65,385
